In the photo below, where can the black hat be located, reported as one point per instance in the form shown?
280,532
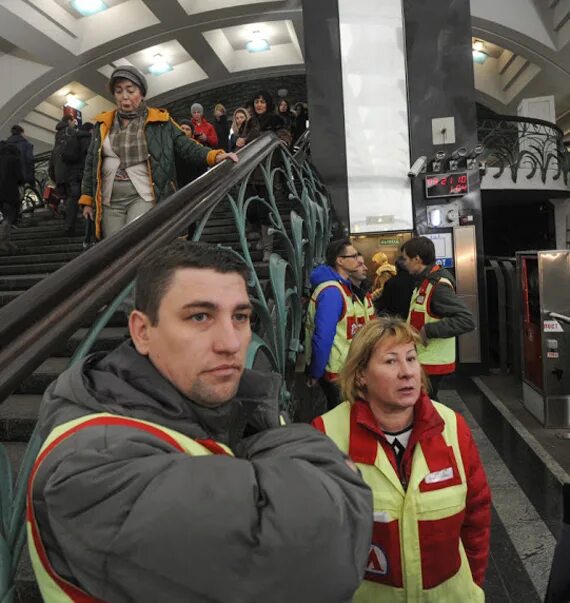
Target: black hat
128,72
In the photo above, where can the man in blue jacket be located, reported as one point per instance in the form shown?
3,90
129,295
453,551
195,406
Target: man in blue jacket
331,318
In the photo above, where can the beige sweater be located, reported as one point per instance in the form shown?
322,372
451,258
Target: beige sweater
138,174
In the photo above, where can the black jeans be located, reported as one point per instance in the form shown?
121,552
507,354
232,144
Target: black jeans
71,191
331,392
435,382
9,211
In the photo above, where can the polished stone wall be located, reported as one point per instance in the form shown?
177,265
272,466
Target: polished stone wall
441,84
325,96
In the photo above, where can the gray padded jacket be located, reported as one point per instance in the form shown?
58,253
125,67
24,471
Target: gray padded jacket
128,518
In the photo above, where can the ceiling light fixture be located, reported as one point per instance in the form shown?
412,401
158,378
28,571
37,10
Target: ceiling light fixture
74,102
257,43
159,66
478,51
88,7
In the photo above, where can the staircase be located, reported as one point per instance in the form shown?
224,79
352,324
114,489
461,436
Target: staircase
43,249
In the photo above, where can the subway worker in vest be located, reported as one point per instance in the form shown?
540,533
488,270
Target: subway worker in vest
167,474
435,311
432,505
361,286
334,314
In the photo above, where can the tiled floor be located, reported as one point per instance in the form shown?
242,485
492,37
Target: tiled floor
521,542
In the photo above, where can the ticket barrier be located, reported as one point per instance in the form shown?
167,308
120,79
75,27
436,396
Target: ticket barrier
544,289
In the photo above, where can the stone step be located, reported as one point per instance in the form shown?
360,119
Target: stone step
109,338
76,247
13,260
31,268
56,231
18,416
229,238
37,382
45,241
17,282
7,296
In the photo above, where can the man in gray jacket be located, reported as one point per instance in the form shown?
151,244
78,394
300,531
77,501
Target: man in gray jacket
435,311
166,474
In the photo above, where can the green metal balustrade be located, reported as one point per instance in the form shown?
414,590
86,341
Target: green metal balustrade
273,178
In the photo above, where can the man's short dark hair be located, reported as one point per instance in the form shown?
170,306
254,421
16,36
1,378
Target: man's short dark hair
335,249
421,246
16,130
155,275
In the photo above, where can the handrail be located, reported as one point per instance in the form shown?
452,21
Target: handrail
524,146
519,119
52,310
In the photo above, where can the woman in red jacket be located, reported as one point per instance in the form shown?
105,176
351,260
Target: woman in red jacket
432,504
203,130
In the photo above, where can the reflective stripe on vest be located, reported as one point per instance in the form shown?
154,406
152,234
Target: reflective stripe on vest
416,553
346,328
54,588
364,309
438,357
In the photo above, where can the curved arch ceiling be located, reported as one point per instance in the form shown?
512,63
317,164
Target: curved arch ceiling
48,50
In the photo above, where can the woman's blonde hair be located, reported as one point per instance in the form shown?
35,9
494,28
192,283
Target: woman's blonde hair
235,127
220,107
362,347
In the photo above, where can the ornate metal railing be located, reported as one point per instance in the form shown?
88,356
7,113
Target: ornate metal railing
50,312
523,146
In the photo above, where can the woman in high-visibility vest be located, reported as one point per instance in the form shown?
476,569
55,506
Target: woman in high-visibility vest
432,504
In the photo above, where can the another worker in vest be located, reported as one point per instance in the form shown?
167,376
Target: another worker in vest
435,311
166,476
432,504
331,318
363,304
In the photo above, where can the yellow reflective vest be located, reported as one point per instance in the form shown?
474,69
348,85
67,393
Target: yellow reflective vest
416,553
355,315
54,588
438,357
364,309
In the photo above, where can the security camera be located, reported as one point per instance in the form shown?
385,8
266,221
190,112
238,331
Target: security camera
477,151
456,158
437,163
418,167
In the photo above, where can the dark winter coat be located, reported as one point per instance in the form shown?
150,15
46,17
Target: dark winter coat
285,520
222,127
75,152
26,149
11,175
396,295
267,122
165,141
61,170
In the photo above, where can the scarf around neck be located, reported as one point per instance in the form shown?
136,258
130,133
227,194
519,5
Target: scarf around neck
129,142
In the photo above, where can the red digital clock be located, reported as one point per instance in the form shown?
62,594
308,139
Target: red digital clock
446,185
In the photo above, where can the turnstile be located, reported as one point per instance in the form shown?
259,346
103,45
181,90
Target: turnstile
544,287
